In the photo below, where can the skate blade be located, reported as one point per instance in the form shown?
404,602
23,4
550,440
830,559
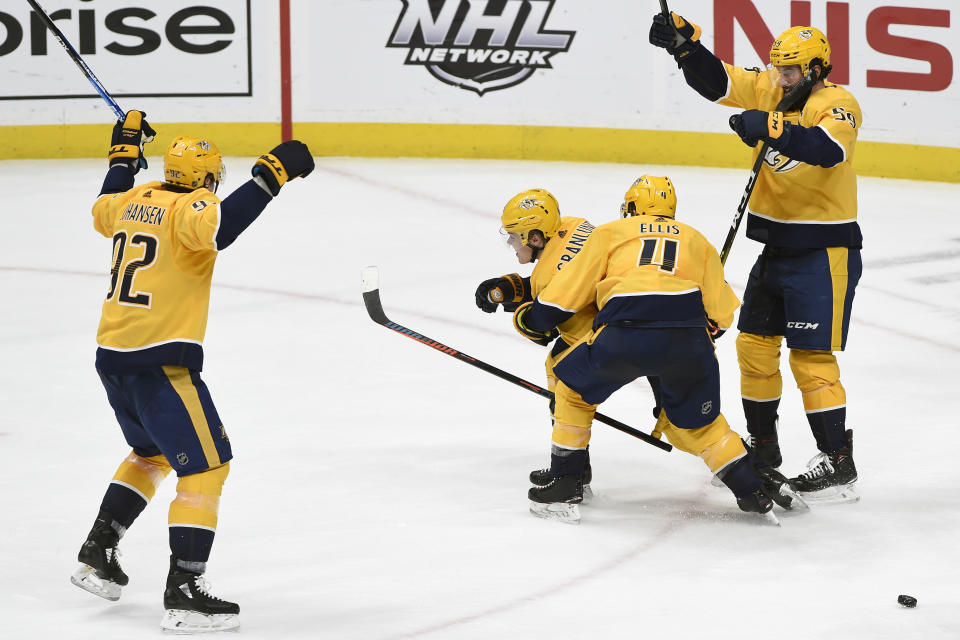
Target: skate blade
798,502
560,511
832,495
770,518
86,578
179,621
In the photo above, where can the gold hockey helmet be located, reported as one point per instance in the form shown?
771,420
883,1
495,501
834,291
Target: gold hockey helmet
801,45
651,196
189,160
529,210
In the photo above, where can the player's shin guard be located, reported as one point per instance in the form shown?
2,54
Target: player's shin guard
824,399
760,382
572,418
133,486
193,516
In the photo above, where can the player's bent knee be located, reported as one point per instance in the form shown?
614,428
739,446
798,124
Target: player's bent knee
715,443
198,497
813,369
142,474
758,356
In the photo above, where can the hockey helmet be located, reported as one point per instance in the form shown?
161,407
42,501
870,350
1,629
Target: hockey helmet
650,195
533,209
189,160
804,46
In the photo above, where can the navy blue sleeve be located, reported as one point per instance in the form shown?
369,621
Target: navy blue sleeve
118,180
542,317
810,145
705,73
239,210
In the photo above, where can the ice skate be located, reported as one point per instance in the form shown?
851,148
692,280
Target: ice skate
191,608
830,477
766,448
543,477
559,500
99,571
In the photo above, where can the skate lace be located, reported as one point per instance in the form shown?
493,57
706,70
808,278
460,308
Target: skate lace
204,587
112,554
818,467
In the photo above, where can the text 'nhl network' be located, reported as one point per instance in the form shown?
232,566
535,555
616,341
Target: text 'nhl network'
529,58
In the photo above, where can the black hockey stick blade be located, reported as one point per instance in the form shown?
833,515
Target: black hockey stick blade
370,279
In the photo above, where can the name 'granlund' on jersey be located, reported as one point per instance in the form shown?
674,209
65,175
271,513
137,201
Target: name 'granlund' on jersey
575,243
145,213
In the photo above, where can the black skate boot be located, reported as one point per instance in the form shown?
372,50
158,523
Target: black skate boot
558,500
766,448
190,606
99,571
543,477
830,477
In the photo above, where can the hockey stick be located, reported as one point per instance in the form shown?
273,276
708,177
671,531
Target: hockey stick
77,59
371,300
788,100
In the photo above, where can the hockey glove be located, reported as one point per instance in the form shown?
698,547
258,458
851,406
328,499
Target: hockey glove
714,330
679,38
754,125
519,323
508,290
288,160
126,143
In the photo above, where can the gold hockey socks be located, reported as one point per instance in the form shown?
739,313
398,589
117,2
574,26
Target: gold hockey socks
193,513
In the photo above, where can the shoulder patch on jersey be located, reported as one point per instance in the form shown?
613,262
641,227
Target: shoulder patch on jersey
148,193
754,69
561,234
200,205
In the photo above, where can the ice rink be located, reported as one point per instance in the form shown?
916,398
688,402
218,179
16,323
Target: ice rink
379,487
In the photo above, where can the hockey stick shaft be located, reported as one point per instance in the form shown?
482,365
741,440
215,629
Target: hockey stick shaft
77,59
371,300
664,9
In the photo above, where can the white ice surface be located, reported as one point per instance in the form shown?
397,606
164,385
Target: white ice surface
379,486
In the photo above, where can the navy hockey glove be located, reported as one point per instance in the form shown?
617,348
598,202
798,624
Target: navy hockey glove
714,330
508,290
754,125
288,160
129,136
519,323
679,38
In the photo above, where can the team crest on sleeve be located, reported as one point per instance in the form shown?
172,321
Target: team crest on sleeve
780,163
479,45
200,205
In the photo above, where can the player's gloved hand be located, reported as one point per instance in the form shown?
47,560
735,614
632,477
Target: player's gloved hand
288,160
754,125
714,330
507,290
126,144
679,38
519,323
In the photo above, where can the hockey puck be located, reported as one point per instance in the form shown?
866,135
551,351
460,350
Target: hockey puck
907,601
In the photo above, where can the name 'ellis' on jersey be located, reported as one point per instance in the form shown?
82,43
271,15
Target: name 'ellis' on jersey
164,249
795,204
649,270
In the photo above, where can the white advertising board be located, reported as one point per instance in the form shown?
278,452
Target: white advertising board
589,64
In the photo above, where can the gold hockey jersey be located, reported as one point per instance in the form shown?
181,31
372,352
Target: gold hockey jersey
164,249
560,250
643,271
795,204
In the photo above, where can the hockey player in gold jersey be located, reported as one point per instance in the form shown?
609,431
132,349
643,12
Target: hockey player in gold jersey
166,237
804,210
537,232
660,293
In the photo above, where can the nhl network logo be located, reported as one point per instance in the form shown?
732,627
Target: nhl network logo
479,45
